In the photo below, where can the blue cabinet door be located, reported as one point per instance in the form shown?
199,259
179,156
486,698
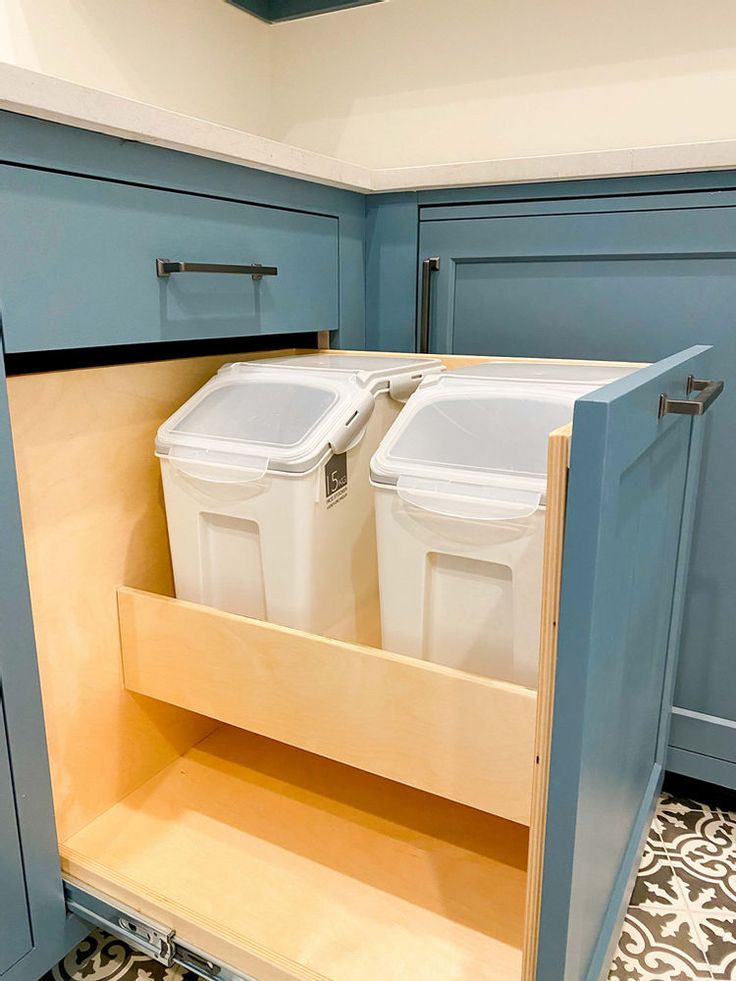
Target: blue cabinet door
79,265
15,926
632,486
622,278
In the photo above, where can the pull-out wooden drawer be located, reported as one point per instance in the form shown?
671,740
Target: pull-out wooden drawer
79,265
363,814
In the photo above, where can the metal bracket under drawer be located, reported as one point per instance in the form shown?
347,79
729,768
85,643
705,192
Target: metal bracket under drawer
144,934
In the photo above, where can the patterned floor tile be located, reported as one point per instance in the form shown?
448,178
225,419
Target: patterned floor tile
656,883
677,817
682,916
102,958
700,841
705,885
685,824
659,944
716,934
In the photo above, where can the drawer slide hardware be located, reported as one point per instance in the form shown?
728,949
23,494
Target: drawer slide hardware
165,267
708,393
147,936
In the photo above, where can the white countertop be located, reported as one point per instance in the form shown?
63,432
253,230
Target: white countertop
33,94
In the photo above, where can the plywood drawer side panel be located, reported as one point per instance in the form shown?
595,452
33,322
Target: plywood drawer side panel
465,738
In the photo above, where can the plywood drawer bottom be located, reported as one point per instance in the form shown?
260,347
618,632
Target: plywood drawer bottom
285,865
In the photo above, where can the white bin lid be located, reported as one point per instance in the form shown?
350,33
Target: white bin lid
595,374
400,376
266,421
474,449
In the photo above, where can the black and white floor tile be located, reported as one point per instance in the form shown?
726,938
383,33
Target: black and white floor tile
681,923
102,958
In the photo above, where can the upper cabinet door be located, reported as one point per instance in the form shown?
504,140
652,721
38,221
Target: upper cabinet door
632,486
79,265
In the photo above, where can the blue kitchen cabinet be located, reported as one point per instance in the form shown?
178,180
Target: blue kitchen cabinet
620,277
15,926
79,265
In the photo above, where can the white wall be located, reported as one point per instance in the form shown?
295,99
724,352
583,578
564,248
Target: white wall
200,57
418,81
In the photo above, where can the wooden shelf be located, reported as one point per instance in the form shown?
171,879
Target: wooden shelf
463,737
284,865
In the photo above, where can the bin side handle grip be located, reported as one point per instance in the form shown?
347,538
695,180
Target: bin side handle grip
211,471
349,431
468,501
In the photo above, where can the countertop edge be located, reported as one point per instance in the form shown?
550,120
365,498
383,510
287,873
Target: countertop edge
31,93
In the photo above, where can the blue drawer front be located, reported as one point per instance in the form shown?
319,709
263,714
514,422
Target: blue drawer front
15,930
78,265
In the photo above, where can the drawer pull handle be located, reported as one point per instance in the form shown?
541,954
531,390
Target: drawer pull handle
165,267
428,267
709,392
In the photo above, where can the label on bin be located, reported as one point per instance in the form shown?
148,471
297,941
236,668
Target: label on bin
336,479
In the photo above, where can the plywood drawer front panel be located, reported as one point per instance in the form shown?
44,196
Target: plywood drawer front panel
79,256
459,736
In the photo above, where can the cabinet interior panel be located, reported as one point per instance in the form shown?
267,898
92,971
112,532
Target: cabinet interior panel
93,519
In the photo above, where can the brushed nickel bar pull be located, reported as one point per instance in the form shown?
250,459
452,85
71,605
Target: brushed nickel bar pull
709,392
428,267
165,267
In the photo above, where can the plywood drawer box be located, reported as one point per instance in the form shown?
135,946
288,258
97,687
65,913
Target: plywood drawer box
298,807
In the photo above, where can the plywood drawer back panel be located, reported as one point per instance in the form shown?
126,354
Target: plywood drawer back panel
462,737
79,265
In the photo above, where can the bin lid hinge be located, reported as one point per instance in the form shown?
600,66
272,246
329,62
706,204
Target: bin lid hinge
144,934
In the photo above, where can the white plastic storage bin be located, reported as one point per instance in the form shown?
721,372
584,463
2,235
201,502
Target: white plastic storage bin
460,483
266,484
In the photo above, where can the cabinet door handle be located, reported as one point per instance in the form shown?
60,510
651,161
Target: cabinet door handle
428,267
165,267
709,392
